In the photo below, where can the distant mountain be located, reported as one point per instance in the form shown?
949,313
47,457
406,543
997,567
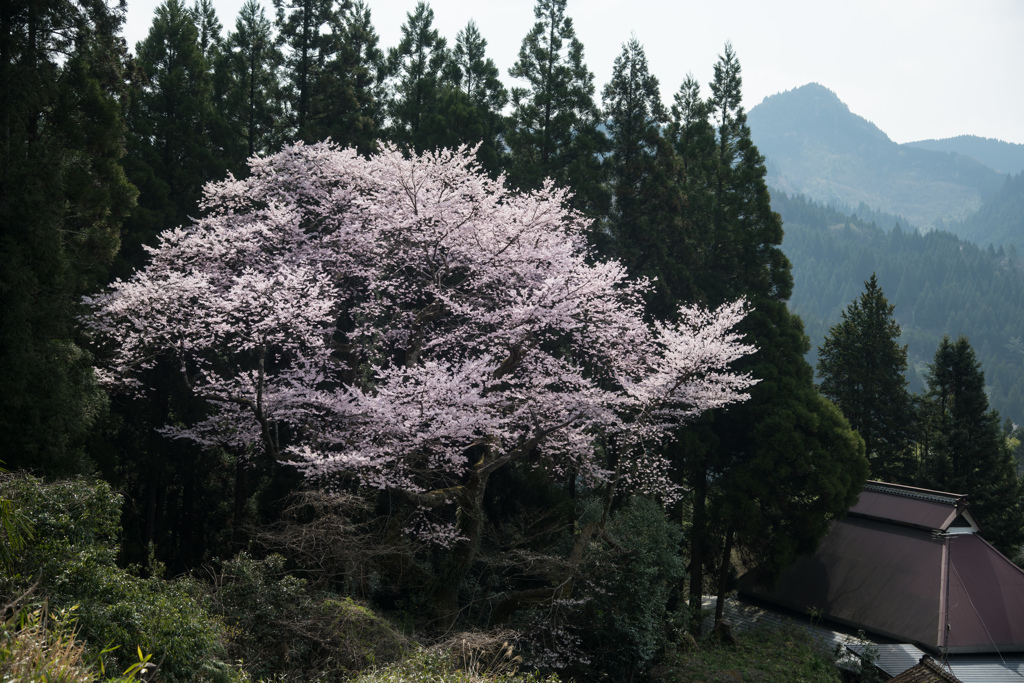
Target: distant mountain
815,146
1005,157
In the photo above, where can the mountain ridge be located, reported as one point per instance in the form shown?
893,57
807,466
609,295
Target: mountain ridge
1002,156
816,146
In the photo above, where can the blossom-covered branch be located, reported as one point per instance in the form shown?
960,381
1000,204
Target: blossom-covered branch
409,321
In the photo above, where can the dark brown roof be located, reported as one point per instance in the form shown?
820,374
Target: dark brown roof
920,508
928,671
907,581
986,598
868,574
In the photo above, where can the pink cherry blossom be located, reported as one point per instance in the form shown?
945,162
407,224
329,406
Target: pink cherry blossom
413,323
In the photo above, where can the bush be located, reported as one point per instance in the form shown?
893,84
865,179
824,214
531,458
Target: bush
433,666
280,625
614,623
72,554
763,654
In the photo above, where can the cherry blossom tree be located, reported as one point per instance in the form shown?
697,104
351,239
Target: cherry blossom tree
414,324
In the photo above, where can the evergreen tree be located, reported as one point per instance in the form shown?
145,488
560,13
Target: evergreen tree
172,119
477,99
349,104
552,132
693,139
741,479
417,69
63,195
209,30
744,253
255,97
300,27
863,370
647,220
964,449
226,144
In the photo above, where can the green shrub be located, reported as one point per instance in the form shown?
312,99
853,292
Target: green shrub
614,623
763,654
72,554
40,646
432,666
635,581
282,626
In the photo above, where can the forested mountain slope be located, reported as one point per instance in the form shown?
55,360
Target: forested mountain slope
999,220
1005,157
817,147
940,284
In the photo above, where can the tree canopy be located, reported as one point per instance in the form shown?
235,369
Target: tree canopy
863,370
473,332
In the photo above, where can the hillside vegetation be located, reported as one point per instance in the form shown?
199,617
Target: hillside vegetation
940,284
999,220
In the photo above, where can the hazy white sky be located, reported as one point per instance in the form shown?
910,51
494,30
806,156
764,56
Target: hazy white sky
916,68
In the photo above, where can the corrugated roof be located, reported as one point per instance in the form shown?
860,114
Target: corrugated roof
893,659
987,669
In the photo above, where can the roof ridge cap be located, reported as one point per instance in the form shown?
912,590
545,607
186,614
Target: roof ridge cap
911,492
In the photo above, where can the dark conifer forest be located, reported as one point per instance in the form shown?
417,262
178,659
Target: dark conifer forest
290,390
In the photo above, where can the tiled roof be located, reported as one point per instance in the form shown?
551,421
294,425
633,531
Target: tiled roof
892,658
927,671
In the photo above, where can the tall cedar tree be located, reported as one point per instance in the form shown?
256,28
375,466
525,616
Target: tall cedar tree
171,141
647,215
477,99
63,195
863,368
226,144
349,102
553,129
417,70
300,25
255,95
964,449
751,476
693,139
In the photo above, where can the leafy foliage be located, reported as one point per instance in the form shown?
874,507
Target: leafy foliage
438,667
280,626
72,554
762,654
634,581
